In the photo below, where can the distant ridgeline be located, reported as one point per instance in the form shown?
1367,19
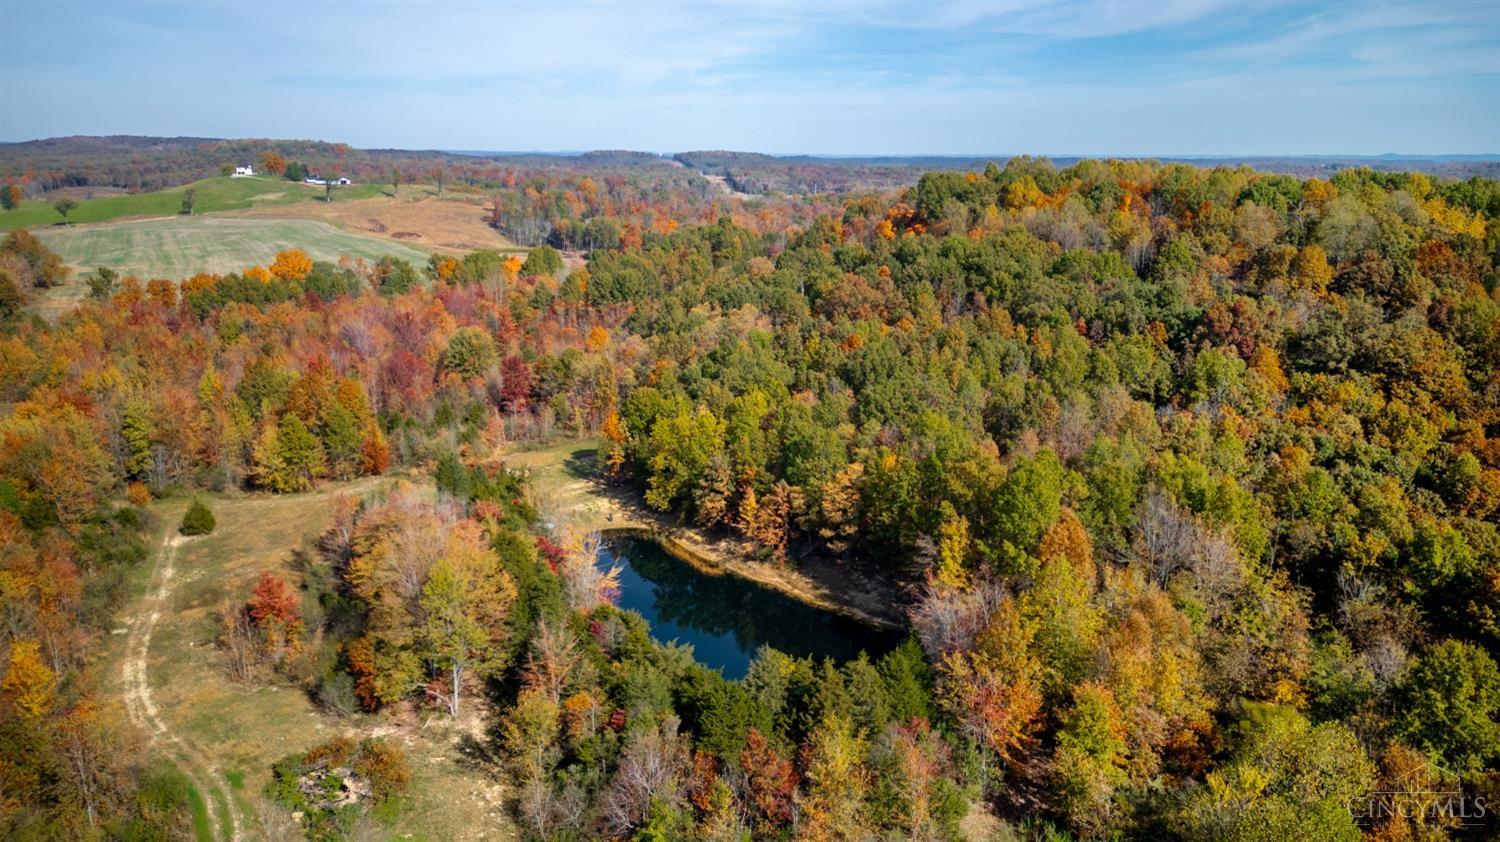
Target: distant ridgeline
145,164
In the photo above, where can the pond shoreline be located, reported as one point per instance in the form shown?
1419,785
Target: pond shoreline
728,619
697,552
583,501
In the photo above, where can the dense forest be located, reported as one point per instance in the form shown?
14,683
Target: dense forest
756,173
1186,479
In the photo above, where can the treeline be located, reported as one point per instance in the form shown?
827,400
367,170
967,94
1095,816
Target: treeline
25,267
772,175
591,210
147,164
588,212
72,768
761,174
143,164
280,376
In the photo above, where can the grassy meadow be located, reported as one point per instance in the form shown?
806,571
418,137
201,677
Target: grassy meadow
244,729
180,247
213,194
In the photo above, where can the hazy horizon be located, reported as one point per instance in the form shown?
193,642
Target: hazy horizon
828,156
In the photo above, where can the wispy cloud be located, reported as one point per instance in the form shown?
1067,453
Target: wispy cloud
1363,33
1099,76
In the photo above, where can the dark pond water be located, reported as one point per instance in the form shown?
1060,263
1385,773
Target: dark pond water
727,618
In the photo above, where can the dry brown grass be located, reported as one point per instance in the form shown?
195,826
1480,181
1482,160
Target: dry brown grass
450,224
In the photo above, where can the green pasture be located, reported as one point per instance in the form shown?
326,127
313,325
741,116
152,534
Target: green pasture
213,194
180,247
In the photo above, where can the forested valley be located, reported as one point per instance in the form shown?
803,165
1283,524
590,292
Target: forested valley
1184,480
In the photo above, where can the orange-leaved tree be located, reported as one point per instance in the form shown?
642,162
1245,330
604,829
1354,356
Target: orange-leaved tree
276,612
291,265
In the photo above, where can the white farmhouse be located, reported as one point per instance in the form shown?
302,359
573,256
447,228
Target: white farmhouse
241,172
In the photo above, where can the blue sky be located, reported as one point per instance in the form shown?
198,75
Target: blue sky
1096,78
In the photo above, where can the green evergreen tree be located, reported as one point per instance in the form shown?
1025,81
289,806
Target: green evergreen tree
137,431
543,260
301,452
342,438
198,520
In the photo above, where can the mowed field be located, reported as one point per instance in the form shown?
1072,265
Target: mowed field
225,736
211,195
179,247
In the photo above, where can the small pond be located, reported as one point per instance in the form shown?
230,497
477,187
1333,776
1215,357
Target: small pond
727,618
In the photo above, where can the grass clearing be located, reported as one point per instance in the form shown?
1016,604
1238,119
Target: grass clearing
53,302
453,223
562,476
180,247
211,195
242,730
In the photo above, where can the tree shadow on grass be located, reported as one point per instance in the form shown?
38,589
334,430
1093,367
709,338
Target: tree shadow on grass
480,754
582,463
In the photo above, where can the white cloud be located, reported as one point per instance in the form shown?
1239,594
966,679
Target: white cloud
838,77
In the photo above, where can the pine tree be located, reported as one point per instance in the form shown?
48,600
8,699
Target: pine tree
136,430
268,466
301,453
341,434
198,520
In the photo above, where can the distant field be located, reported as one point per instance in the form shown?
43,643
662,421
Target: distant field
452,224
180,247
213,194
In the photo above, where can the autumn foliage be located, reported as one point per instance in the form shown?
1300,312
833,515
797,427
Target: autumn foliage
275,611
1183,479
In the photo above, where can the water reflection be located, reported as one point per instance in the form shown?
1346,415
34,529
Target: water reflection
727,618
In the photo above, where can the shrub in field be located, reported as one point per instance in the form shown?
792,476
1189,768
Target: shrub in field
198,520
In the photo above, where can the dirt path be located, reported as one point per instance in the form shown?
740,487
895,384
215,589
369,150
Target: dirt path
136,681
